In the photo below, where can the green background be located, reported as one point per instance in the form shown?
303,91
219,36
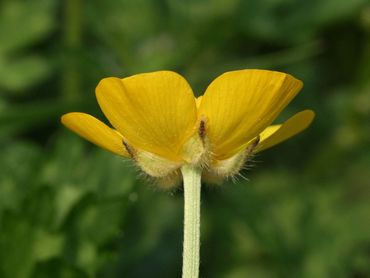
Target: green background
70,209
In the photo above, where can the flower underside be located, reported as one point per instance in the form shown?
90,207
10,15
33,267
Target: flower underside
159,123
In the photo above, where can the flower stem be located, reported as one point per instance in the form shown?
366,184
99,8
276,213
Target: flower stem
73,28
192,187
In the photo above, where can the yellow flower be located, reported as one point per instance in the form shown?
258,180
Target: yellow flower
161,125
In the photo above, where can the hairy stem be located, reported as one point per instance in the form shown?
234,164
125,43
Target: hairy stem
192,189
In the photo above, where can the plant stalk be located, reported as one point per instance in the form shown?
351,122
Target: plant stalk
73,21
192,188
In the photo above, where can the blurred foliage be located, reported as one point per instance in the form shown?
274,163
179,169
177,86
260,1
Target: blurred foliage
68,209
22,24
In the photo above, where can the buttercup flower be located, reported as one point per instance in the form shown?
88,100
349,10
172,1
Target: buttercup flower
159,123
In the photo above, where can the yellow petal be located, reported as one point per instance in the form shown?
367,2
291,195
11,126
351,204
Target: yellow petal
198,100
95,131
238,105
276,134
155,112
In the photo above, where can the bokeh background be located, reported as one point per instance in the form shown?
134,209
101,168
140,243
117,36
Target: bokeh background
69,209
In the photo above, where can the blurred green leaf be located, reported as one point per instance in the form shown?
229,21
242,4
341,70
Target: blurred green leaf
18,75
22,24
